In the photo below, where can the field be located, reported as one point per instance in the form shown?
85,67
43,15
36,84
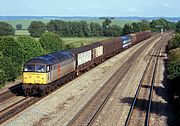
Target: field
26,23
77,42
21,32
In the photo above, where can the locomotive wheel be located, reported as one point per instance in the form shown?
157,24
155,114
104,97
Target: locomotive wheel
42,92
26,92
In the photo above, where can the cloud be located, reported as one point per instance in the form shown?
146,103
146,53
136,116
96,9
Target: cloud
132,9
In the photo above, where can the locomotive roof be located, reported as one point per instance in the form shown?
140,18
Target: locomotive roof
51,58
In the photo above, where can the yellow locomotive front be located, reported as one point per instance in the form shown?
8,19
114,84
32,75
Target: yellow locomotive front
35,74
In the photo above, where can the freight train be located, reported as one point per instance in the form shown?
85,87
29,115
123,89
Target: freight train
45,73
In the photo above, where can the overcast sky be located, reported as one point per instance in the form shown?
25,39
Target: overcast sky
90,8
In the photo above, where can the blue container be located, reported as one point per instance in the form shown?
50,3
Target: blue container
126,40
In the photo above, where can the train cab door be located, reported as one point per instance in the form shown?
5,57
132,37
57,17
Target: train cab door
49,73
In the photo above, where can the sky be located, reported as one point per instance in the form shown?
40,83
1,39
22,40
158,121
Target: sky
117,8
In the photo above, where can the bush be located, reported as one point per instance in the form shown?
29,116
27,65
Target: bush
9,70
2,74
30,47
178,27
174,63
6,29
11,49
174,42
69,46
51,42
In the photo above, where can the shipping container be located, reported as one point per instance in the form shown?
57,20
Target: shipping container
97,49
97,52
109,47
133,38
118,44
83,56
126,41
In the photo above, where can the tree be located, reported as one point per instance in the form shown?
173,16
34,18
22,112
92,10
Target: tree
145,25
157,25
36,28
136,27
127,29
106,27
178,27
2,77
19,26
11,59
11,48
53,26
30,47
51,42
2,74
115,30
106,23
6,29
84,28
95,29
9,71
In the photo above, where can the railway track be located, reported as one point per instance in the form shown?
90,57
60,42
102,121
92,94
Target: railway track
91,109
138,117
13,91
16,108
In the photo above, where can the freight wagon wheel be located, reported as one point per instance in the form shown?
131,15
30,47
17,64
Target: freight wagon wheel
77,73
53,87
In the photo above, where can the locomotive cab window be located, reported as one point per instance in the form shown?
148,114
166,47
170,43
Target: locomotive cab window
40,68
29,68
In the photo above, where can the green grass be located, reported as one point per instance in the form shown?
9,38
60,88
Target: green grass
26,23
77,42
21,32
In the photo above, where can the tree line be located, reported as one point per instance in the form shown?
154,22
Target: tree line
83,29
173,67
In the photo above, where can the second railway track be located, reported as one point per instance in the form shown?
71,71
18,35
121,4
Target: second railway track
16,108
139,117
